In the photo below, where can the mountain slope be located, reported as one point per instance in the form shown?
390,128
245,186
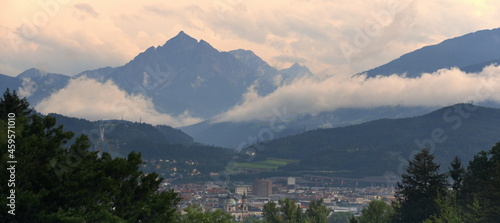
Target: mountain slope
124,131
475,68
232,134
376,147
474,48
155,143
9,82
38,84
184,74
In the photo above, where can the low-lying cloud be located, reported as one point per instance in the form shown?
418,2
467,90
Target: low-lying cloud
310,96
90,99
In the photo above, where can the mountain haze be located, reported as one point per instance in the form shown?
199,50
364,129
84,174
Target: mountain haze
185,75
375,147
189,77
473,48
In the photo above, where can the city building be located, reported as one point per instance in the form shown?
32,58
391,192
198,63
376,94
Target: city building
262,188
242,190
237,209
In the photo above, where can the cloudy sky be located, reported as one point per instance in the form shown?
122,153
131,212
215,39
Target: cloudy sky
333,38
69,36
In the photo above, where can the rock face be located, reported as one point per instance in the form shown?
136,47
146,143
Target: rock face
37,84
186,74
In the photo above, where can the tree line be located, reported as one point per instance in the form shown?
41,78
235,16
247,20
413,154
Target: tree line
424,194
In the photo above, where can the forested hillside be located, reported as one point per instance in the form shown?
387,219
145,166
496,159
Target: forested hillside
378,146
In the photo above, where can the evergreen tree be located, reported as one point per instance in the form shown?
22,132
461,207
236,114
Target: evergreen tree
419,188
57,183
482,184
448,211
456,173
317,212
290,211
476,178
11,103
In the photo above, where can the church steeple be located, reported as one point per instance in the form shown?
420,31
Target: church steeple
244,202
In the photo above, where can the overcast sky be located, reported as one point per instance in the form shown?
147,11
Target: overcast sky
330,37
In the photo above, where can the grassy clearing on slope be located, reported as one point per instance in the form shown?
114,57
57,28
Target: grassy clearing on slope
269,164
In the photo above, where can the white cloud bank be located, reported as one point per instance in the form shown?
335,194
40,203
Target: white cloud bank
89,99
444,87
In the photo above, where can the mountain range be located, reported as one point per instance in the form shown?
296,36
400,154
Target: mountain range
473,50
187,75
373,148
376,147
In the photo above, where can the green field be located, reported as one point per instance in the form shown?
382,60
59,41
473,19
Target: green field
268,164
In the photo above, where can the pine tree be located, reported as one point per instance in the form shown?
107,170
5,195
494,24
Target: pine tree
449,210
289,210
58,183
456,172
420,186
482,183
317,212
11,103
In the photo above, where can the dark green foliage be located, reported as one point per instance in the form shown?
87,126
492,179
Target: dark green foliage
377,212
317,212
291,212
271,213
340,217
252,219
448,210
196,214
11,103
153,142
420,186
476,200
456,173
56,183
210,159
125,131
482,184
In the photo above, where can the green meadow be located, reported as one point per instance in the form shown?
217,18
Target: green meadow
268,164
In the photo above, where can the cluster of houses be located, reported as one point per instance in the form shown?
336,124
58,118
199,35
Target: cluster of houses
243,200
